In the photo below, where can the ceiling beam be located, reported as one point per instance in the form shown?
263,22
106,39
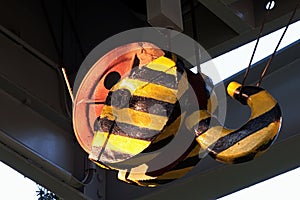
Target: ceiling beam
226,15
228,2
37,168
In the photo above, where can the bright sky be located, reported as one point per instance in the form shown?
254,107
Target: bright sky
15,187
284,186
238,59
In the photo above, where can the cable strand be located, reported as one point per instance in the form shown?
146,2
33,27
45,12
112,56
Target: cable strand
275,50
257,41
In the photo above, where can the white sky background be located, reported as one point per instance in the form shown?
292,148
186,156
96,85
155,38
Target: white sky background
284,186
13,186
238,59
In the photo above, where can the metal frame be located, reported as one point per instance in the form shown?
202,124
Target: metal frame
61,166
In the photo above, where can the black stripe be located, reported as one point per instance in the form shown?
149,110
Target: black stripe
161,143
130,181
174,115
124,129
119,98
87,115
205,124
146,104
249,128
251,156
198,88
136,62
151,106
108,157
153,76
243,93
189,162
99,162
106,140
155,181
202,126
158,145
170,167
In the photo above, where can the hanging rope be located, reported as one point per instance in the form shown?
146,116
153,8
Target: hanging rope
271,58
60,55
257,41
74,29
50,28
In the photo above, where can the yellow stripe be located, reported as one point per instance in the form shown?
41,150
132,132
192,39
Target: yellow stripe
135,162
122,176
260,103
194,152
163,64
133,117
146,89
250,143
211,136
136,175
172,129
119,143
195,118
145,184
101,165
174,174
139,173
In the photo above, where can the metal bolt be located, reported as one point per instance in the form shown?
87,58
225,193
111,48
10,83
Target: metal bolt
27,101
99,194
99,178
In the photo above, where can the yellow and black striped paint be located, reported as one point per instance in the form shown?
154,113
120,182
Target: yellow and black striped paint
251,139
136,110
181,166
145,110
